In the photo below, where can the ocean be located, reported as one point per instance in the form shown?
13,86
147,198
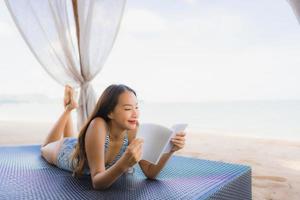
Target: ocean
268,119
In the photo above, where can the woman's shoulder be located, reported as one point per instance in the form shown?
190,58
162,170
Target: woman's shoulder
99,120
98,124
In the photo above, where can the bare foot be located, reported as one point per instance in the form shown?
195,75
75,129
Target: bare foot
72,105
67,95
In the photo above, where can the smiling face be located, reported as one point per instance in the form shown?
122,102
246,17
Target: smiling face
126,112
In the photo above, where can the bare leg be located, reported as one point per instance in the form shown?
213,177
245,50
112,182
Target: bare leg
69,101
58,129
63,127
68,131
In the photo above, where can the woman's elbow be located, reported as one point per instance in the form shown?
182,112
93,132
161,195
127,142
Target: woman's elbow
99,184
151,176
100,187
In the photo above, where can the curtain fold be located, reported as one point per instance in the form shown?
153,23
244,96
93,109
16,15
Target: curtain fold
295,4
71,39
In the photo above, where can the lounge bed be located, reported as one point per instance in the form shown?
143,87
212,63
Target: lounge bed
24,174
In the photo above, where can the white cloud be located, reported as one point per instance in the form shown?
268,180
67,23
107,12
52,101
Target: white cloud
142,21
192,2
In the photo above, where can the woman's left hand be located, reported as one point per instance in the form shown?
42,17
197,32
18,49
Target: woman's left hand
178,141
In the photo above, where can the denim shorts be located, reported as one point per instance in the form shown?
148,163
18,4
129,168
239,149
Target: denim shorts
64,160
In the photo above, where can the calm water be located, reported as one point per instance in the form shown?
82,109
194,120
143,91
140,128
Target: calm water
276,119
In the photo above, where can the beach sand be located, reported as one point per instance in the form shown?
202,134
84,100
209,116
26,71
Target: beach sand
275,163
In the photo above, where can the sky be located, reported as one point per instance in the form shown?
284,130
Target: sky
181,51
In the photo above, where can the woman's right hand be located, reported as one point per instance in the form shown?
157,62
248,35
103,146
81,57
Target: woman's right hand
133,153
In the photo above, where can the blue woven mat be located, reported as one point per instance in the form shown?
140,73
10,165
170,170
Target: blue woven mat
24,174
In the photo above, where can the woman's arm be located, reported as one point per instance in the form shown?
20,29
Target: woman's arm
150,170
94,144
103,180
95,152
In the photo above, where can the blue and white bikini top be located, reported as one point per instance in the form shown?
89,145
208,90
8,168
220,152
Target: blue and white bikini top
122,150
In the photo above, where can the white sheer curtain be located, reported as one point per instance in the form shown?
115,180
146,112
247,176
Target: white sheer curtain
71,39
295,4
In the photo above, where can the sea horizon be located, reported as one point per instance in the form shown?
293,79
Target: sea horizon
276,119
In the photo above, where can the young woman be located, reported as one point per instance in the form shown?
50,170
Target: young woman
107,145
